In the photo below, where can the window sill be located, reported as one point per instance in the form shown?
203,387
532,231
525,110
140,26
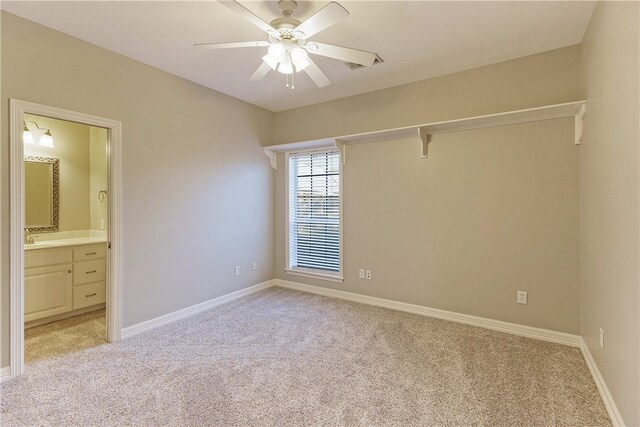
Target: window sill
315,275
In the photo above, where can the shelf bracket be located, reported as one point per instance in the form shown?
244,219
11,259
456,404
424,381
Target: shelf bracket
342,148
426,139
272,155
579,123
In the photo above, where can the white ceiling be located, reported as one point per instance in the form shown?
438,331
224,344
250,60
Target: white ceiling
416,39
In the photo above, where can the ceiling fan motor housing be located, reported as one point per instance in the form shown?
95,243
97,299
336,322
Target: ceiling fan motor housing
287,7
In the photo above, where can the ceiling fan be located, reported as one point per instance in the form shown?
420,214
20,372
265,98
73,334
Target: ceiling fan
289,45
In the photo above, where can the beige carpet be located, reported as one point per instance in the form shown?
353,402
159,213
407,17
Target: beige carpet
64,336
281,357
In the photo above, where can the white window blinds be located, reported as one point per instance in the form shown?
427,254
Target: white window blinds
314,211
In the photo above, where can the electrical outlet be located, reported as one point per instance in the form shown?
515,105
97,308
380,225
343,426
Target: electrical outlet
254,266
601,339
237,270
361,273
522,297
368,274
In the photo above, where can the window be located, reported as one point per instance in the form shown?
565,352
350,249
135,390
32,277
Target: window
314,219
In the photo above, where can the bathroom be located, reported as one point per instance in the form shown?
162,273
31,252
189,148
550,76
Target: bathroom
65,236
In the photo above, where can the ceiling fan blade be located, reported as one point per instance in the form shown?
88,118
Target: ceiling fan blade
248,15
342,53
262,71
231,45
324,18
316,74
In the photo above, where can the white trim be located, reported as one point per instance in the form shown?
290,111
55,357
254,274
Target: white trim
496,325
574,109
17,109
165,319
607,399
338,277
5,374
273,158
315,274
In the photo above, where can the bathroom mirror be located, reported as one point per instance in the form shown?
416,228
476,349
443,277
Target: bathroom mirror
41,196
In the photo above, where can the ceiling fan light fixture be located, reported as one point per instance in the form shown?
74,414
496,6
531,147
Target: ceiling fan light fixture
288,48
298,54
273,63
277,51
301,65
286,66
299,57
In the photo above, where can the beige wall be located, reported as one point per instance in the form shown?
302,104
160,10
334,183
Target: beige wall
542,79
610,200
488,213
198,190
98,177
71,146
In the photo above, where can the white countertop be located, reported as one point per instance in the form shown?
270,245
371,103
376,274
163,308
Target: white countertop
43,244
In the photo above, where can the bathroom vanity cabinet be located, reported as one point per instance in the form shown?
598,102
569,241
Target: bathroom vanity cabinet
63,279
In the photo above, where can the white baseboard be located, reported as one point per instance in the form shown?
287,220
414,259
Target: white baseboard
147,325
607,399
496,325
5,373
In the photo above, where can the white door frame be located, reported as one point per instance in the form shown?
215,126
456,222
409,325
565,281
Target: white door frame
16,222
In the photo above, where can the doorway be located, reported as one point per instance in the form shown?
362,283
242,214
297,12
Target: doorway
72,266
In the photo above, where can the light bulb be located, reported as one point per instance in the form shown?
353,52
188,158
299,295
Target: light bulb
27,137
276,51
286,67
46,140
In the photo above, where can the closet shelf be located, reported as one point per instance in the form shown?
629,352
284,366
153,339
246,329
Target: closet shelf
424,132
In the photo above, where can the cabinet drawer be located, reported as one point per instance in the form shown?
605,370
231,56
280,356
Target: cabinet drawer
89,271
86,253
88,295
42,257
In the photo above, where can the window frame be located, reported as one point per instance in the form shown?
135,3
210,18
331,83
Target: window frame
307,272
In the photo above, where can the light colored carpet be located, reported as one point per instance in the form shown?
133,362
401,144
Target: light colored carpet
65,336
281,357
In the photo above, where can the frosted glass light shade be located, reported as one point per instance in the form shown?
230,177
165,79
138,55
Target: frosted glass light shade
46,140
276,51
27,137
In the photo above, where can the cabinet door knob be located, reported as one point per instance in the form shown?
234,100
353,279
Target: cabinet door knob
89,253
91,295
68,271
89,272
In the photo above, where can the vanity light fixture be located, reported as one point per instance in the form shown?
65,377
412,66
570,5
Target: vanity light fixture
44,137
27,136
46,140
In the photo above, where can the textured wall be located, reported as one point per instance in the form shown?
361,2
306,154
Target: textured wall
610,200
488,213
198,189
